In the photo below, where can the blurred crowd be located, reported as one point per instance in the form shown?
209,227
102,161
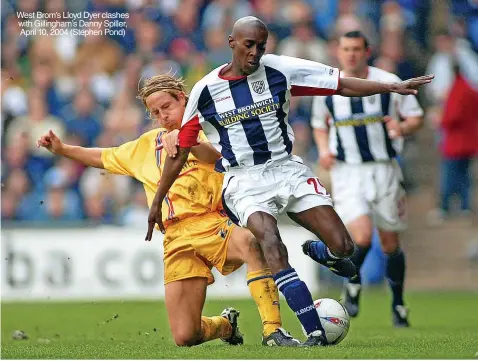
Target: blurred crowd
84,88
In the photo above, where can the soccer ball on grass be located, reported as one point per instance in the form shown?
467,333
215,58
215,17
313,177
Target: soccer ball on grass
334,319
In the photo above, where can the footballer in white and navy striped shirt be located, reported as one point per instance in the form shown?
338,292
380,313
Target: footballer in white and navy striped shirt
243,107
358,140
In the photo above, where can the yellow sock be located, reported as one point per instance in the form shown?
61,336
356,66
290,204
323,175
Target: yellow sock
214,327
264,292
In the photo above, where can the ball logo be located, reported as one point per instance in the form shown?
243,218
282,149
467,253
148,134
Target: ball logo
336,321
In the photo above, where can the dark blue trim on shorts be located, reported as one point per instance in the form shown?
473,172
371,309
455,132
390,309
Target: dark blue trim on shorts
229,213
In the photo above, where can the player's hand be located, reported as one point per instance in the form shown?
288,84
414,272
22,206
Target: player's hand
410,86
327,160
51,142
170,142
393,127
155,217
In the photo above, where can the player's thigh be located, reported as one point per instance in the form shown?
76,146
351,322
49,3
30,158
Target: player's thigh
351,190
184,303
361,229
247,193
311,207
390,209
243,247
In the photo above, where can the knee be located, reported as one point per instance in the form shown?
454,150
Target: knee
250,245
390,247
185,338
389,242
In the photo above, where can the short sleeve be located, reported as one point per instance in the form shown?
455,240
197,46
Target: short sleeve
320,113
125,159
408,106
307,77
190,126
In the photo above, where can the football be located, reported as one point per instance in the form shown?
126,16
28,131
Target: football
334,318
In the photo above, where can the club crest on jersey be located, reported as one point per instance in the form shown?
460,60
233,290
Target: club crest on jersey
259,86
371,99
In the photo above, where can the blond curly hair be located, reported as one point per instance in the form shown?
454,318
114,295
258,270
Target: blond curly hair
163,82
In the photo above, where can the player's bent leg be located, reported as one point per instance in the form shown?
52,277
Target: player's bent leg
244,248
336,243
361,229
325,223
395,272
184,303
295,291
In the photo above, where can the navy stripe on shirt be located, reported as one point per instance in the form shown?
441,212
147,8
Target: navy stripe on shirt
278,87
340,149
385,100
241,94
208,110
356,104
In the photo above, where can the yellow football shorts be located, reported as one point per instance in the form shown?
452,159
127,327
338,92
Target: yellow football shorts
194,245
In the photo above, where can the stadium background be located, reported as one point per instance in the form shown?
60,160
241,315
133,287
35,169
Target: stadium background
75,233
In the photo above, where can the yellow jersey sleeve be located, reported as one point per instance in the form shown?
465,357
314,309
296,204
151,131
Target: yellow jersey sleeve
128,158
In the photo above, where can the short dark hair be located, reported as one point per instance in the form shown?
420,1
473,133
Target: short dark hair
355,35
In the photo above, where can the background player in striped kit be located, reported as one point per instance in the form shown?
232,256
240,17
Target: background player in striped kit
358,139
242,107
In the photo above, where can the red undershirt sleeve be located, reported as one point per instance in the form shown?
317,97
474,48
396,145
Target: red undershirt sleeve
188,135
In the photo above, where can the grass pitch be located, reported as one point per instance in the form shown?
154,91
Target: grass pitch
444,325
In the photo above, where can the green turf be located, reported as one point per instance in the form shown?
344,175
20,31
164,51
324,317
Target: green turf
445,325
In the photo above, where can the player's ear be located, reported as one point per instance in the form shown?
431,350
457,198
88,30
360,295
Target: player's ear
231,41
182,98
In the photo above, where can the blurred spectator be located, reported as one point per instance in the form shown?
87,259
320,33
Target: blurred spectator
9,207
101,84
43,78
269,11
448,48
137,211
105,54
33,125
303,43
218,47
149,40
17,183
459,145
91,85
468,10
123,119
56,204
83,117
350,18
223,13
184,24
103,194
271,46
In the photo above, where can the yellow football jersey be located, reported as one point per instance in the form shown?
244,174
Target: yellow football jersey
196,191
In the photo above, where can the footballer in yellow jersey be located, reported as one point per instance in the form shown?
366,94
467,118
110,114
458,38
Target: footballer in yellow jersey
198,234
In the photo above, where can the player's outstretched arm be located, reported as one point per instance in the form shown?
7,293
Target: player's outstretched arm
171,170
90,157
355,87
